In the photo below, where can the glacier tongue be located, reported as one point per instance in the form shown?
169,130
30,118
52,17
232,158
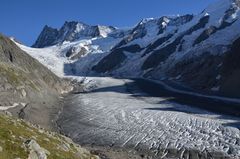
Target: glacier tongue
108,115
188,49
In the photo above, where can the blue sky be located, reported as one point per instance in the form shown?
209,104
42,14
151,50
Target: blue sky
24,19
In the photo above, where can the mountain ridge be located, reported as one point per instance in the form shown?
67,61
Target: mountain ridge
159,48
71,31
189,61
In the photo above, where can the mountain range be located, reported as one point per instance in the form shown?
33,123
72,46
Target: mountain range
199,52
193,60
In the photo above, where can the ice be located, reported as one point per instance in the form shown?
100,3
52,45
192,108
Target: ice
109,115
54,57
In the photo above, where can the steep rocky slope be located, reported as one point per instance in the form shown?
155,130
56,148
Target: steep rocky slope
231,69
27,88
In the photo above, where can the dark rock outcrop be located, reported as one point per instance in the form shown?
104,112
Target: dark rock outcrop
46,38
201,24
231,71
205,35
211,30
200,72
110,62
157,43
161,55
74,53
131,48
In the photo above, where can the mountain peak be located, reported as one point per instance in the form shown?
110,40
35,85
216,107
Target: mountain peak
47,36
71,31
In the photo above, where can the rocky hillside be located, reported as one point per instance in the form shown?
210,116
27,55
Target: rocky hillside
191,50
27,88
20,139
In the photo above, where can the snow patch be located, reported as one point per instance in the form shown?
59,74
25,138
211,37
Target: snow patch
12,106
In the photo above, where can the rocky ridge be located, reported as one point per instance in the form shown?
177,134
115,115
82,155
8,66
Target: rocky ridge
28,89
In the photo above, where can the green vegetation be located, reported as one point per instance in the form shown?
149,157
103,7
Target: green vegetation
11,74
15,76
15,132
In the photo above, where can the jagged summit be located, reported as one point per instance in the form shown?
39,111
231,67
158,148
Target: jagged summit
164,47
196,55
71,31
149,29
46,37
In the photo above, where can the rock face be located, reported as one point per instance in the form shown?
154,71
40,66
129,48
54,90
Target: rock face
71,31
76,53
111,61
47,37
24,80
231,70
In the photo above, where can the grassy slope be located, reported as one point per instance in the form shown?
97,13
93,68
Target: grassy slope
14,132
20,71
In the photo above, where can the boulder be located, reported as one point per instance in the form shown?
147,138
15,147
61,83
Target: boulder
36,151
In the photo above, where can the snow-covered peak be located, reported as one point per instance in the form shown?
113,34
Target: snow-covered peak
74,26
88,30
149,29
145,20
73,31
180,20
150,21
188,48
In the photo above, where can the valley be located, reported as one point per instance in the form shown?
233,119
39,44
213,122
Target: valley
167,87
